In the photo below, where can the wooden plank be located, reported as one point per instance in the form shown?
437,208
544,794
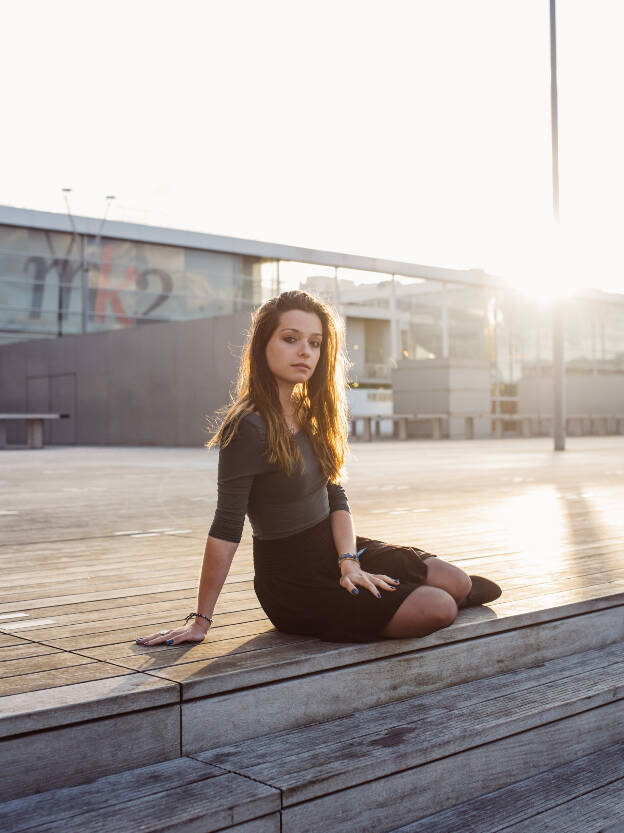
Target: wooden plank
127,635
212,676
218,803
527,799
267,824
564,597
514,577
44,632
312,774
111,615
600,810
60,606
33,664
170,660
350,728
114,572
31,649
243,590
487,696
241,713
386,803
184,587
9,639
58,677
42,709
81,752
52,633
107,562
69,603
63,803
223,640
87,623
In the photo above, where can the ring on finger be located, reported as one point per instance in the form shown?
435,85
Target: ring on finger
162,633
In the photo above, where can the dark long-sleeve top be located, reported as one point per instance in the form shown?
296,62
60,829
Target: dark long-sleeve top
277,505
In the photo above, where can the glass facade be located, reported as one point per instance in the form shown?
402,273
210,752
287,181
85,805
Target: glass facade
42,275
388,317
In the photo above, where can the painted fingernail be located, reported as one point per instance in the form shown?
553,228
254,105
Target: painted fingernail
169,642
355,591
379,595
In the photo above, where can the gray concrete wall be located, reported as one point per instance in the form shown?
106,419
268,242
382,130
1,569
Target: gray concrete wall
442,386
586,393
152,384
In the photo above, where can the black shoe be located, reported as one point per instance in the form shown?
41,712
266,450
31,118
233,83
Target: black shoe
483,591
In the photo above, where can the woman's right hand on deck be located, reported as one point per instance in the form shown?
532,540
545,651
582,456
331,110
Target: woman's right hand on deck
192,632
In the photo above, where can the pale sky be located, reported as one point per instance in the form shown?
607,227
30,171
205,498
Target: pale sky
409,129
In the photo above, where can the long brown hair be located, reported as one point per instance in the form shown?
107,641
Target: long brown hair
320,403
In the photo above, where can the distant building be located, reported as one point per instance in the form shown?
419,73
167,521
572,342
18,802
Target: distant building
138,275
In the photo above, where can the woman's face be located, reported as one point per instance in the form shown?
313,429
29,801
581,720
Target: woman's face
293,350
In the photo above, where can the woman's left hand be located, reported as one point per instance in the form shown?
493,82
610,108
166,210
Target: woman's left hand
353,575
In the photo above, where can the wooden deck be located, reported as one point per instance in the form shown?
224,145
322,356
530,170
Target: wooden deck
101,545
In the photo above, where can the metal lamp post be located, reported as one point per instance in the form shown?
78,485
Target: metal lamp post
558,364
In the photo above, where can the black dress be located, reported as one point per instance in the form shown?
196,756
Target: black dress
296,581
296,574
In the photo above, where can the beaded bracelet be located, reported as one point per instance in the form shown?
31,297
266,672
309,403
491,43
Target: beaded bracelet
353,557
190,616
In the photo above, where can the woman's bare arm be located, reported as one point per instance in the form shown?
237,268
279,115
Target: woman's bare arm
216,565
343,531
218,556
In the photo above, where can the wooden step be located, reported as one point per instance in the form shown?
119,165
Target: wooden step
386,766
178,700
587,795
181,795
71,734
234,697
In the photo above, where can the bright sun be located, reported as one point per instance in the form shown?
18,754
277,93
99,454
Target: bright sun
557,263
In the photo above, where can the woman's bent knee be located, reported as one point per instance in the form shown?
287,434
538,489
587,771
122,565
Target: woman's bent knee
448,577
442,606
425,610
446,610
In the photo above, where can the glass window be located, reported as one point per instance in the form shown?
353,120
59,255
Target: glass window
129,282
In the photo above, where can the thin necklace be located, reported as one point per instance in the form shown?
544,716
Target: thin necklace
291,428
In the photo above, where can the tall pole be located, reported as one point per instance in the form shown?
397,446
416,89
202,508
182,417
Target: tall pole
558,364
